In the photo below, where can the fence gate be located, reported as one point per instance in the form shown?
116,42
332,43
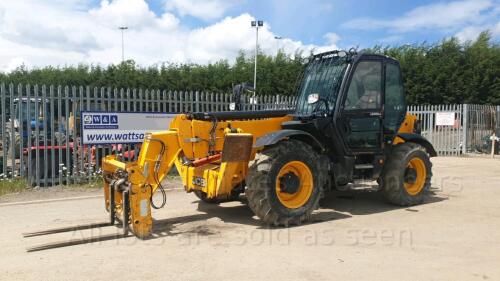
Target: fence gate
443,126
458,129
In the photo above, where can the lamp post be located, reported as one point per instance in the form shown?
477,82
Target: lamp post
278,38
123,28
256,24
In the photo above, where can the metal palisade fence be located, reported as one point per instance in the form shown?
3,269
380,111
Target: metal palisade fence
40,126
456,129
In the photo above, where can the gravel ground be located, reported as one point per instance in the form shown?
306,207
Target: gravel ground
355,235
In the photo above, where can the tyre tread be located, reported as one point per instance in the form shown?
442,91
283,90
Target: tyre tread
392,185
259,178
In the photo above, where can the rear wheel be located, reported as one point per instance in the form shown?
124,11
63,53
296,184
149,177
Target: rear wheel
407,175
284,183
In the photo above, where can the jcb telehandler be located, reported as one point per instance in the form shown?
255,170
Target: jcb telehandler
349,124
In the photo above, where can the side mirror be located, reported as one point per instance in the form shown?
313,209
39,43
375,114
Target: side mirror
313,98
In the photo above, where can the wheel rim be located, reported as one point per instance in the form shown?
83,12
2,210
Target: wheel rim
305,188
414,187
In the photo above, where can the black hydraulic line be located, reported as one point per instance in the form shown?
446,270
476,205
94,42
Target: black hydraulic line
155,176
66,229
234,115
163,194
74,242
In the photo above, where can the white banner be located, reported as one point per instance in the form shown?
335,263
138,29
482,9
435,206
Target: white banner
121,127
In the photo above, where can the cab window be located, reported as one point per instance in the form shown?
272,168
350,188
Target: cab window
365,90
395,106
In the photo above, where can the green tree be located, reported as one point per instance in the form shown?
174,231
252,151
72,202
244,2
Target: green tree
449,71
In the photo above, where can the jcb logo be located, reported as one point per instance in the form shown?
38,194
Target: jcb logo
198,181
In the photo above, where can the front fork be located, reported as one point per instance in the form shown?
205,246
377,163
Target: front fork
130,203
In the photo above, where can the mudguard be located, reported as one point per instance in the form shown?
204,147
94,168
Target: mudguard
276,136
416,138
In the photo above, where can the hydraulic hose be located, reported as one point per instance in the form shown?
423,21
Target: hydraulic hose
155,176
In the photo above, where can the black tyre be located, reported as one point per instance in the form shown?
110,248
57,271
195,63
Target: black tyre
285,182
407,174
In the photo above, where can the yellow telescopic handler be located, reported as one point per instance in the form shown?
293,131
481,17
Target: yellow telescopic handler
349,125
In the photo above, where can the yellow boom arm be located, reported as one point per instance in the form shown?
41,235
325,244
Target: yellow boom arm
211,157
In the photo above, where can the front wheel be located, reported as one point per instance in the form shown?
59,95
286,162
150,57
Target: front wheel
406,178
285,182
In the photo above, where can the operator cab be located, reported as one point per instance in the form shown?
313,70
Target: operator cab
354,105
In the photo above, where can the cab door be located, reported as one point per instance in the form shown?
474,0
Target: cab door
362,108
395,105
